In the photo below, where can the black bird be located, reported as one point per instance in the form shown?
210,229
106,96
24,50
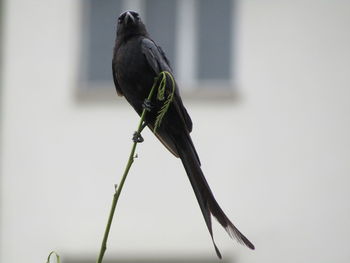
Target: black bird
137,60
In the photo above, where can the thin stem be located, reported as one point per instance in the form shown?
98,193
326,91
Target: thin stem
57,257
122,181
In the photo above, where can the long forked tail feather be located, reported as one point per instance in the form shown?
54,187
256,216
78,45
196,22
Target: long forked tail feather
204,195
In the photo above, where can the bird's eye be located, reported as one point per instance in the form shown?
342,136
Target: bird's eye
121,18
135,15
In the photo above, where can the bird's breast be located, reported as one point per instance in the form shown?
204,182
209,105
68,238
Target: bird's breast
134,75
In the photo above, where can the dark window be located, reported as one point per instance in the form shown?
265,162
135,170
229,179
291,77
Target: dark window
214,39
212,58
161,20
100,20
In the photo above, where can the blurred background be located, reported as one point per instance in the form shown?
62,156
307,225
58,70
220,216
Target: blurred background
267,84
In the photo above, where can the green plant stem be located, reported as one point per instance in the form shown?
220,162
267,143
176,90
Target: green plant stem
57,257
122,181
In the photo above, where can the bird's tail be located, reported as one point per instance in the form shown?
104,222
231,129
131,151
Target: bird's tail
204,195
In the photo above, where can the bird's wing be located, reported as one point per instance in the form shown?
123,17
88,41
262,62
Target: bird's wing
158,62
114,70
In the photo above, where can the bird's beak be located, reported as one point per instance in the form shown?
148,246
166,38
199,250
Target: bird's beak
129,18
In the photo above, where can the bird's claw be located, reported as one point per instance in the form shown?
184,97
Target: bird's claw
147,105
137,138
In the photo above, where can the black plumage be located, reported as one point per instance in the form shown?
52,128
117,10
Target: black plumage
137,60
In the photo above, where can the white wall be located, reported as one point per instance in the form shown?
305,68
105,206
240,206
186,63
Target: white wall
278,161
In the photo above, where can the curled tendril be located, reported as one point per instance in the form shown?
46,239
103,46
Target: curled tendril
161,96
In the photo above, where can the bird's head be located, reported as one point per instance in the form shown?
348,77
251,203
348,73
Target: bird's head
130,24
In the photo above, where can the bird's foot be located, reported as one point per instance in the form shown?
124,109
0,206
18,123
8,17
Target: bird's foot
137,138
147,105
